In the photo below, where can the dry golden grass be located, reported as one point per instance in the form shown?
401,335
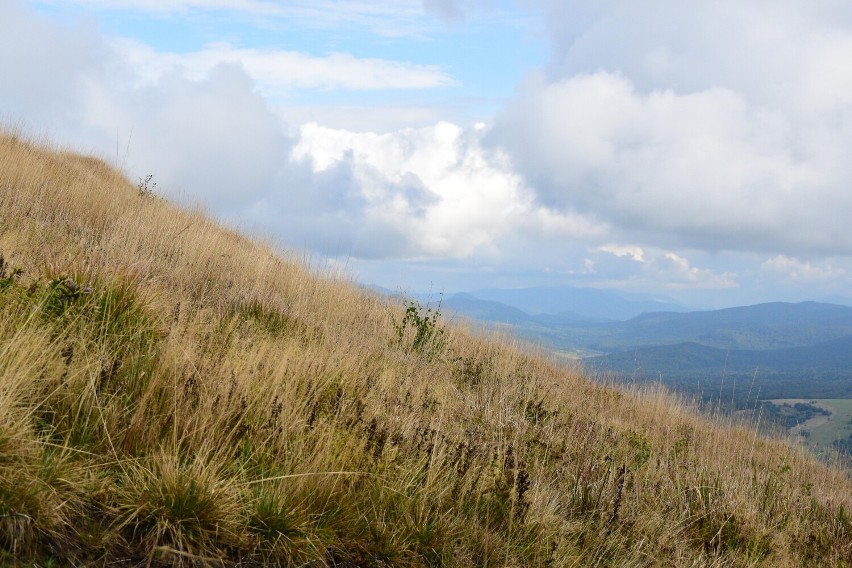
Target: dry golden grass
173,393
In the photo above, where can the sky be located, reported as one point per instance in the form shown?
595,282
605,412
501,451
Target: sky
697,151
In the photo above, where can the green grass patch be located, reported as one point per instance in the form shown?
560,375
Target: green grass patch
820,436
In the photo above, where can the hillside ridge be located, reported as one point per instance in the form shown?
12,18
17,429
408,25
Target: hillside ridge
175,393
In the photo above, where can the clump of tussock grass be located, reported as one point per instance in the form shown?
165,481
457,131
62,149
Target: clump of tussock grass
173,393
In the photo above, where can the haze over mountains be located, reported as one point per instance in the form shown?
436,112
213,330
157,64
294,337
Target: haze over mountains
588,303
785,349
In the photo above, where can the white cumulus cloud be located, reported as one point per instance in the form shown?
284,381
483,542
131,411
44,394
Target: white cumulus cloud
804,270
438,185
632,252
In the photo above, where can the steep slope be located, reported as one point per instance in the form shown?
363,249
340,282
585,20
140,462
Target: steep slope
173,393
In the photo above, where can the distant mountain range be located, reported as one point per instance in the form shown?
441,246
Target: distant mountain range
774,325
584,303
554,305
786,349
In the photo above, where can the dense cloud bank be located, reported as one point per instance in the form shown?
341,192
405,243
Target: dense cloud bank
710,125
665,146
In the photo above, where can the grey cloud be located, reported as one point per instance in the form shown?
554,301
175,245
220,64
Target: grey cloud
695,45
45,67
214,138
415,192
326,211
456,10
447,9
733,142
217,140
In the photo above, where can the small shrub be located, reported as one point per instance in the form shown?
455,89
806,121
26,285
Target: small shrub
423,323
147,187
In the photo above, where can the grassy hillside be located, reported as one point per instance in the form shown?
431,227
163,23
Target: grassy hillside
173,393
